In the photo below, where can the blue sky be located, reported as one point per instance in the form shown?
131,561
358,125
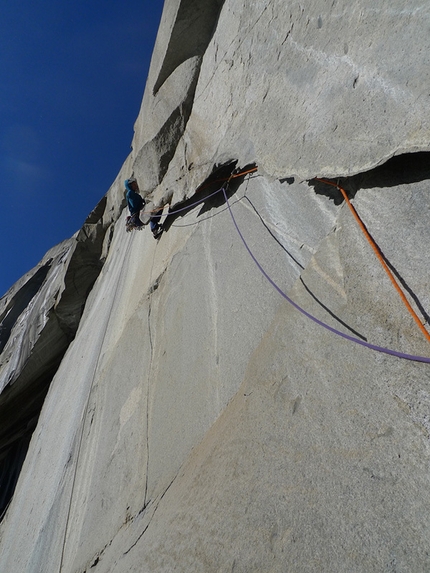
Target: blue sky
72,76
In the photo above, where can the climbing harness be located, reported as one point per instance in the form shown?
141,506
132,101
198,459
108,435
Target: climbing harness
133,223
379,256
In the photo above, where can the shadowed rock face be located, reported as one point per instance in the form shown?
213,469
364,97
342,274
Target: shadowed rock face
19,301
192,31
198,421
39,318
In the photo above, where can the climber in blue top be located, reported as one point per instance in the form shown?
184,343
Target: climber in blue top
135,203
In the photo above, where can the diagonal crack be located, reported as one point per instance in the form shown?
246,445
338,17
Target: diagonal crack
151,518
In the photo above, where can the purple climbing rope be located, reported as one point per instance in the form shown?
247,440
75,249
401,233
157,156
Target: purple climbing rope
313,318
192,204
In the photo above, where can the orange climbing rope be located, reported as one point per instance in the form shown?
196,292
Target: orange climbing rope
243,172
204,185
378,254
232,176
372,243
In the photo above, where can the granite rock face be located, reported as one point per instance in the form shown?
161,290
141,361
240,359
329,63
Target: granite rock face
39,317
195,419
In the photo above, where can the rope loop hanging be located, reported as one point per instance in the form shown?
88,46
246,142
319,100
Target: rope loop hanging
364,343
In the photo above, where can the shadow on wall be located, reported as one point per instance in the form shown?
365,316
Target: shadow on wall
204,195
16,430
399,170
10,467
209,197
192,31
19,303
157,153
22,399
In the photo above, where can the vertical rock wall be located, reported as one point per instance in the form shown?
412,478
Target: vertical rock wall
198,421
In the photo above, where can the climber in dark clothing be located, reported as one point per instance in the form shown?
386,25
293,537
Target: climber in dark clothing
154,223
135,203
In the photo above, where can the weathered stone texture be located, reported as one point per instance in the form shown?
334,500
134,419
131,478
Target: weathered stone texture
312,88
198,422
